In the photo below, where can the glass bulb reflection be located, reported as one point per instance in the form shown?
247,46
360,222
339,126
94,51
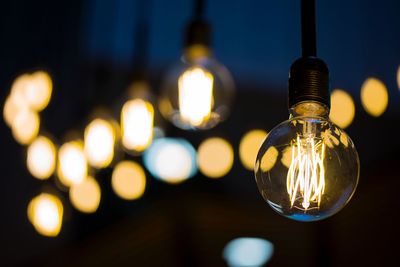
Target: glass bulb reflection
307,169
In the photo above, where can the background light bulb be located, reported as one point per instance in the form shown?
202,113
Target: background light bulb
99,143
45,212
307,168
41,157
137,121
196,92
72,163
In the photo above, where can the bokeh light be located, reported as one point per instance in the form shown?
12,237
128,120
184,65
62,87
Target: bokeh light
41,157
374,97
25,126
128,180
99,143
249,146
342,108
38,90
86,195
215,157
137,119
72,164
172,160
10,110
45,212
248,251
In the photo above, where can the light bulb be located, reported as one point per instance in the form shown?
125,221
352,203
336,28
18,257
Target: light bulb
137,122
45,212
196,92
99,143
307,168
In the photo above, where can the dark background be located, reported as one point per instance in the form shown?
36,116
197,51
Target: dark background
88,48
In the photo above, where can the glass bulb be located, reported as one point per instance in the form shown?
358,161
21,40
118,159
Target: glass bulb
196,92
307,169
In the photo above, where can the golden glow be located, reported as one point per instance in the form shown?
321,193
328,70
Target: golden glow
38,90
215,157
99,143
41,157
374,97
249,146
25,126
128,180
45,212
195,95
10,110
306,175
137,119
86,195
269,159
72,165
342,108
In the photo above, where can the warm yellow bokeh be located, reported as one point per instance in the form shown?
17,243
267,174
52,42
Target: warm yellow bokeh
10,110
38,90
128,180
86,195
41,157
99,143
374,97
25,126
137,121
72,164
342,108
269,159
45,212
249,146
215,157
195,95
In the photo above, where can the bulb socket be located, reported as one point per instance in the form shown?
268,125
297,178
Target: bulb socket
309,81
198,32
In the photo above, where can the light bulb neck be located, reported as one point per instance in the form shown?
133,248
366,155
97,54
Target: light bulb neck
309,109
195,52
309,81
198,32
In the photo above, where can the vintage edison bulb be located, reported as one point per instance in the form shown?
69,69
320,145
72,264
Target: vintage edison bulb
307,169
197,92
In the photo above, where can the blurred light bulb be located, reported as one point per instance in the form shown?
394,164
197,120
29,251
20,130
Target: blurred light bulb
86,195
196,92
128,180
374,97
171,160
195,95
25,126
248,251
137,124
249,146
72,164
99,143
307,169
215,157
38,90
343,109
45,212
41,157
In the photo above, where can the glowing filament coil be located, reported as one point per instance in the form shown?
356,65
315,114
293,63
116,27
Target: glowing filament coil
306,175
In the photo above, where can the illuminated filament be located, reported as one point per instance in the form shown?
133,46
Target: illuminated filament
137,124
195,95
306,175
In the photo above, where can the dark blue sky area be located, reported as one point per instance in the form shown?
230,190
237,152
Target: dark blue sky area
258,40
